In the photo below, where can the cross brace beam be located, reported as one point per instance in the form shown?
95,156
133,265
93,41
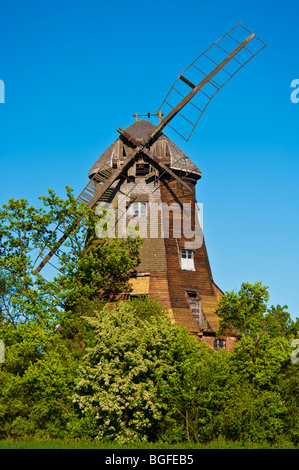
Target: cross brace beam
142,149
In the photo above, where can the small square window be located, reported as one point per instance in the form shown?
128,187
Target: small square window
142,169
139,210
219,344
187,260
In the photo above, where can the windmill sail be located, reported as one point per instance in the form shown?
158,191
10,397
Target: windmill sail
205,76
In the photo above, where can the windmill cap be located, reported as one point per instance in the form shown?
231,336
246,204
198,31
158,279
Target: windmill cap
140,130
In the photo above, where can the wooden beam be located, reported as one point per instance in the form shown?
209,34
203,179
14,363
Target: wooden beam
185,80
103,187
146,151
58,244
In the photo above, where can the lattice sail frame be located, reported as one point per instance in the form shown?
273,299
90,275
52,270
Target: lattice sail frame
185,122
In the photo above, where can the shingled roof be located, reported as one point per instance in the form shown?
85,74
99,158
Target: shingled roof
140,130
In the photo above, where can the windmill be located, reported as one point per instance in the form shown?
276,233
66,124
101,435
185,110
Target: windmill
148,169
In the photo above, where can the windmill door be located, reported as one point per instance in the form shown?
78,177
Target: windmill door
195,306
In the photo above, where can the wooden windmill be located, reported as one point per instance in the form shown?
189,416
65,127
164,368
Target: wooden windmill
148,169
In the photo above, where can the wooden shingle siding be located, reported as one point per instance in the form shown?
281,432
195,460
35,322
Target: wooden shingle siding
159,289
209,305
181,281
183,317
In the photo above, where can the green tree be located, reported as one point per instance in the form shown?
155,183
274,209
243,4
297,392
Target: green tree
75,365
37,380
246,311
278,322
184,389
88,269
264,400
243,310
42,322
139,375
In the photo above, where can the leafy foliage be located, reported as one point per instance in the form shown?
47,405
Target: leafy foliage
77,365
88,269
116,391
42,322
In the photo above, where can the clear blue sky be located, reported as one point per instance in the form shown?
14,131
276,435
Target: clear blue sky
76,70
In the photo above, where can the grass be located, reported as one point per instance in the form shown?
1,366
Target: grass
93,444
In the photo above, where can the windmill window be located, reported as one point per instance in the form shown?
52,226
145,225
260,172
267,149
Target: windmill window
219,344
187,260
142,169
139,210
